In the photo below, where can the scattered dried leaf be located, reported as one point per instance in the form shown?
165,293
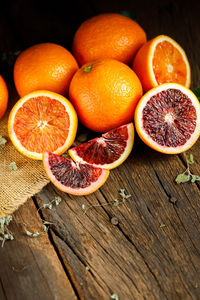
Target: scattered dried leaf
13,166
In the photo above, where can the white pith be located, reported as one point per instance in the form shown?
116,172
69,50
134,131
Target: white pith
125,154
161,39
139,117
41,124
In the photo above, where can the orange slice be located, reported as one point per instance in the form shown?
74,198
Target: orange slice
167,118
108,151
73,178
162,60
42,121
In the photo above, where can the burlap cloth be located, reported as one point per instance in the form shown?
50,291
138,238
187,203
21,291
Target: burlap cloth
17,186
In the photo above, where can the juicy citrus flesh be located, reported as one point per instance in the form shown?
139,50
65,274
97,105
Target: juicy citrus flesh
42,121
162,60
108,35
3,96
108,151
105,96
168,118
73,178
168,64
45,66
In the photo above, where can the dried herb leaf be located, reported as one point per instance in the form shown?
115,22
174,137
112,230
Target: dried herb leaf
190,160
3,140
182,178
47,205
195,178
83,206
13,166
87,268
32,234
58,200
123,194
114,296
116,203
5,234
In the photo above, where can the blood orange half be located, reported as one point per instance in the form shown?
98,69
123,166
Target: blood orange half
73,178
108,151
167,118
42,121
162,60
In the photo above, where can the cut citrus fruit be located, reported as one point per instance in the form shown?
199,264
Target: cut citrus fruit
42,121
73,178
167,118
162,60
108,151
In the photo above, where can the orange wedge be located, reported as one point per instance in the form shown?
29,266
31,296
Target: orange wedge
42,121
162,60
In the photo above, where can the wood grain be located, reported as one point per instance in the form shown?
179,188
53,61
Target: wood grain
153,252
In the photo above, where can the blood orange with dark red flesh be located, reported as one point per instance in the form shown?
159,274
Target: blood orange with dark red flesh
167,118
108,151
73,178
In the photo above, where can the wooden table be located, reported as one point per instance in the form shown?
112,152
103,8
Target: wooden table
153,252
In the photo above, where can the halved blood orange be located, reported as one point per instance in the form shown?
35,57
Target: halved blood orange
167,118
73,178
42,121
162,60
108,151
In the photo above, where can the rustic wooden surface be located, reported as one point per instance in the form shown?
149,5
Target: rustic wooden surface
154,250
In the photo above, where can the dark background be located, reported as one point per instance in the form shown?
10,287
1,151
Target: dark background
30,22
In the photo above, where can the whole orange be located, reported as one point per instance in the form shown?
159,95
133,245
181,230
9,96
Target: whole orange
3,96
108,35
45,66
104,94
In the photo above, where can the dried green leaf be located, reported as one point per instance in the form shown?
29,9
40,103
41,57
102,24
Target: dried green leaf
114,296
46,228
13,166
47,205
123,194
195,178
182,178
3,140
162,225
58,200
87,268
32,234
190,160
83,206
116,203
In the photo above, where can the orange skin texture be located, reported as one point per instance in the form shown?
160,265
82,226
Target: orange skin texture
142,62
44,66
105,97
3,97
141,66
108,36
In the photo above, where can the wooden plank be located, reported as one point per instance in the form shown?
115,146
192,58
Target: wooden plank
30,268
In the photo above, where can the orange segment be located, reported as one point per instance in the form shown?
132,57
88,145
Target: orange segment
161,60
168,64
42,121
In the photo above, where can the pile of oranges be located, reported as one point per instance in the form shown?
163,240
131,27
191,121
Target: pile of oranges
111,67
